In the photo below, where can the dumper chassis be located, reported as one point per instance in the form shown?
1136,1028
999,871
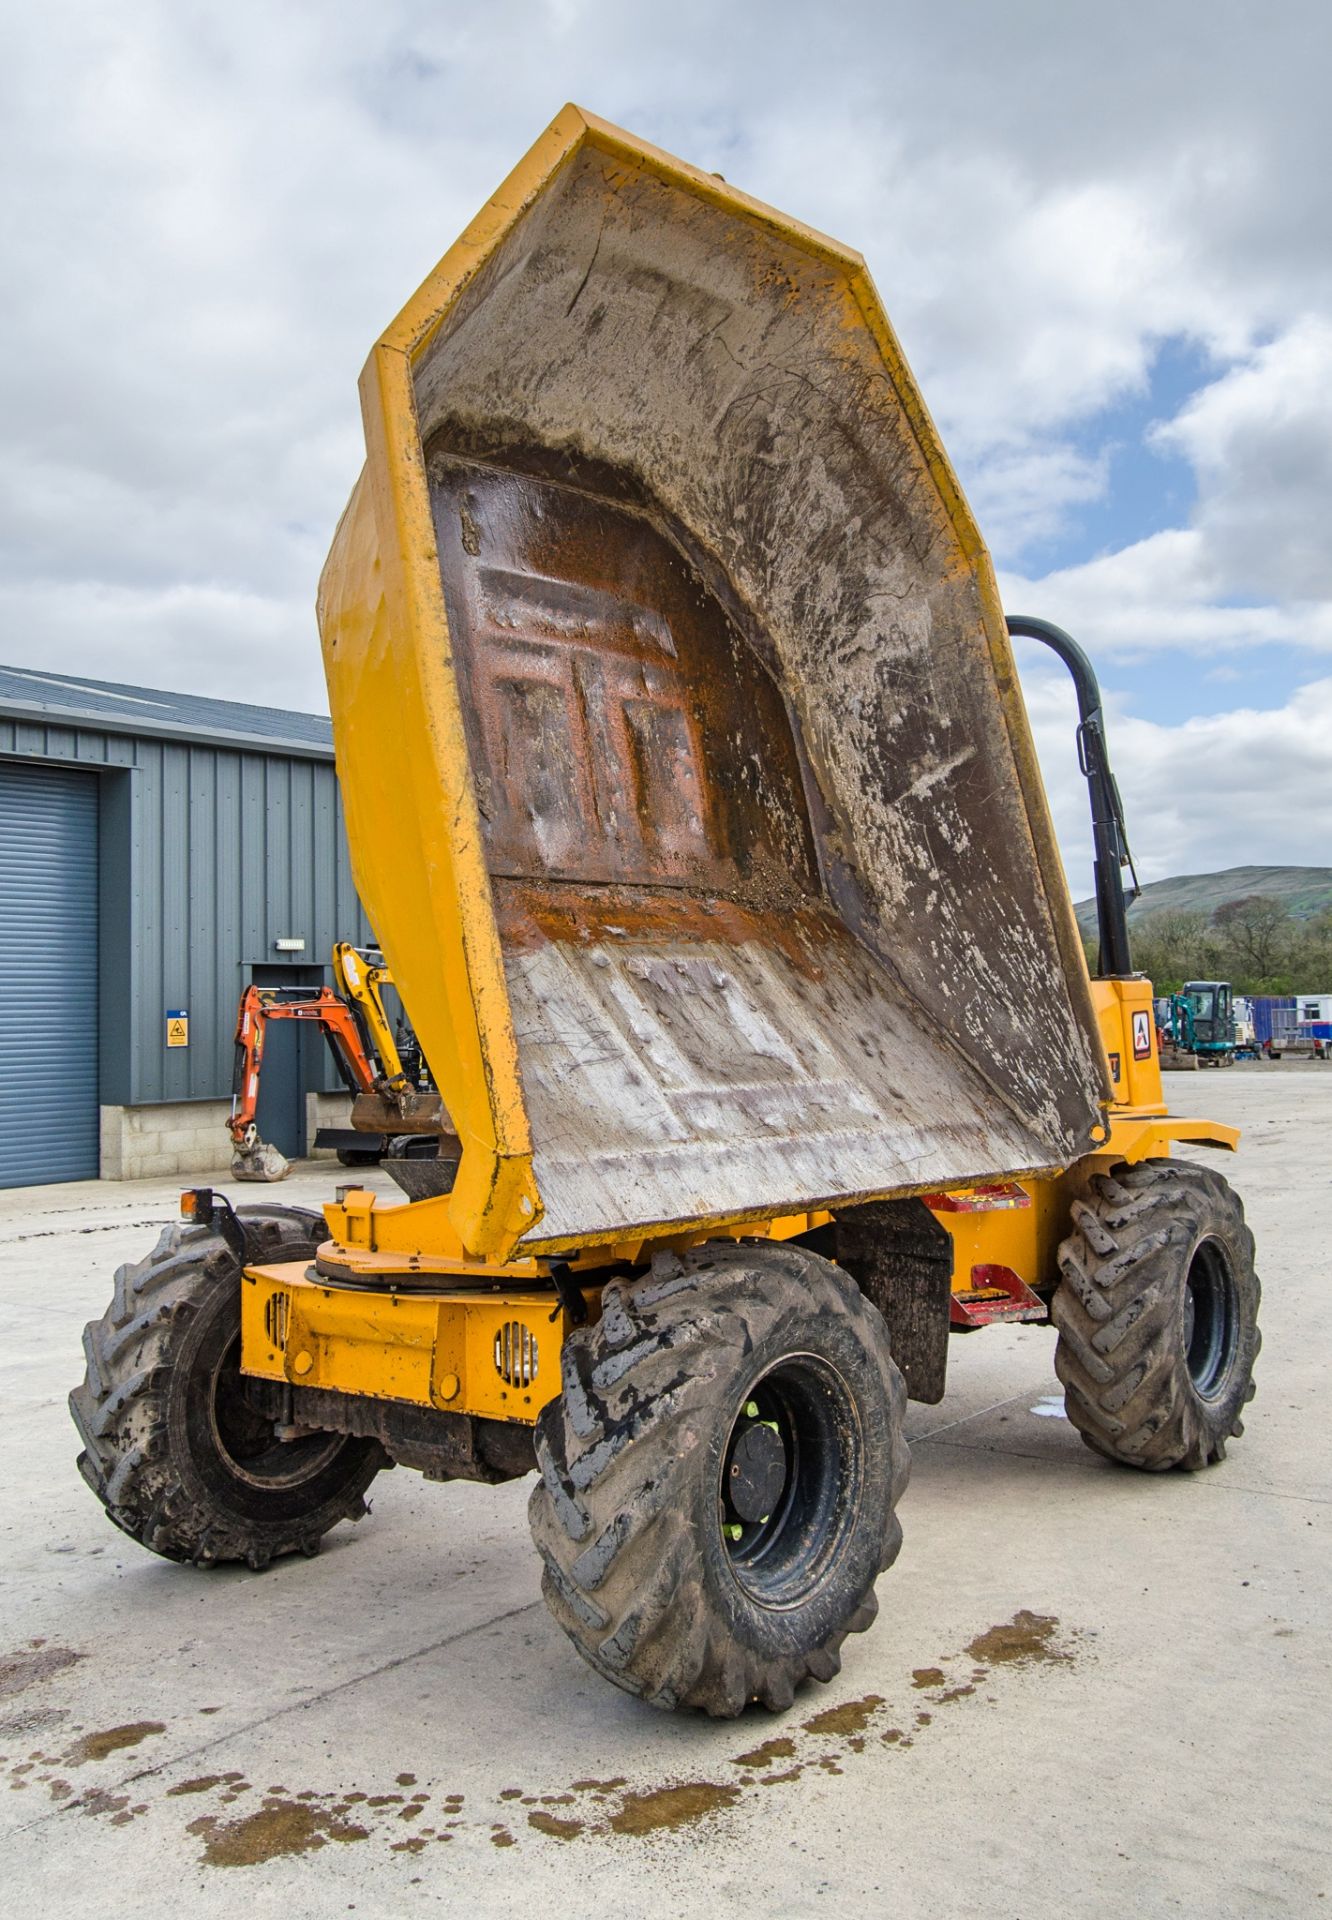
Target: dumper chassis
690,792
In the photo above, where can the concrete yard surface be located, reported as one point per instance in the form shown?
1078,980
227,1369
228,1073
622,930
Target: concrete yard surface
1089,1692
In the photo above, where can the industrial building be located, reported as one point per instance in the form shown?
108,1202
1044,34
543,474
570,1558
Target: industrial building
158,852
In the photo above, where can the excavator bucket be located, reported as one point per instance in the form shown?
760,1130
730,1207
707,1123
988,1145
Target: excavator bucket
688,782
260,1162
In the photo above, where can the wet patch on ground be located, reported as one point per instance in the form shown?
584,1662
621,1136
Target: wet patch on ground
27,1665
667,1809
277,1822
25,1722
278,1828
1022,1641
100,1746
853,1717
557,1829
118,1808
766,1755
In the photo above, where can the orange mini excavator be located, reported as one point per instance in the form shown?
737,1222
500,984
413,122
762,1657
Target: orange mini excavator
386,1076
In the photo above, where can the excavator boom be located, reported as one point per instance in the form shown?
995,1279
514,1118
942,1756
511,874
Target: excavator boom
253,1158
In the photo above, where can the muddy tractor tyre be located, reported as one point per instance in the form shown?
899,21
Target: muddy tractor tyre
719,1477
1157,1311
172,1447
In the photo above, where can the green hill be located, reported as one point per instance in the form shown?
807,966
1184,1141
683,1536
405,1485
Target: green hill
1304,891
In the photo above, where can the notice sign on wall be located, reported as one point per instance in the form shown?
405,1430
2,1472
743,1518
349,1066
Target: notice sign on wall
178,1027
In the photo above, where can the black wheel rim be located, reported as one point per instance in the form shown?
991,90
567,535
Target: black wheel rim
1211,1320
244,1438
790,1480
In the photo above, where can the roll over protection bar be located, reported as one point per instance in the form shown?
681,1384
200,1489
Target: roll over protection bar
1109,835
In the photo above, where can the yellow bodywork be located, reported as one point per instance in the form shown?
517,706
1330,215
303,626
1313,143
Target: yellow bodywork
363,981
496,1356
1025,1240
934,937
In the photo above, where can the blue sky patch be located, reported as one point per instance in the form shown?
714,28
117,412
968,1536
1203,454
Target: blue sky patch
1147,487
1177,686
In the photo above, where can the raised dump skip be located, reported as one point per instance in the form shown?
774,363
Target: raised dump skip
688,785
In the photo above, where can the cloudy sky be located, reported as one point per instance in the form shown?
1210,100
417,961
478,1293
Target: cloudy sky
1104,235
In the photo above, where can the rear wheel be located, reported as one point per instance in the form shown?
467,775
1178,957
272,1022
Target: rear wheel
720,1477
174,1449
1157,1311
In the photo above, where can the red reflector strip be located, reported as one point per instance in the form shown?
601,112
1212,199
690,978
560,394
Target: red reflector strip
1004,1194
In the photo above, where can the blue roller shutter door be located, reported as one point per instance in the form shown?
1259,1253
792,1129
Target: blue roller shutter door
48,974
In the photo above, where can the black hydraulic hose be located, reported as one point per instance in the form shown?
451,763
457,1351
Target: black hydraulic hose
1109,836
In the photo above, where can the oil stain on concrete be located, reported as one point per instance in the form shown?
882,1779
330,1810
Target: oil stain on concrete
1025,1640
852,1717
27,1665
280,1827
667,1809
555,1828
100,1746
287,1824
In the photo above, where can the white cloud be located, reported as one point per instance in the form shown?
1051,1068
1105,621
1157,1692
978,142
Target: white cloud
1162,593
1024,492
1260,440
210,214
1218,791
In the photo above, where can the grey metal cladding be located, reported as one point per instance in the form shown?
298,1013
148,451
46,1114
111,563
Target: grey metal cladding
221,832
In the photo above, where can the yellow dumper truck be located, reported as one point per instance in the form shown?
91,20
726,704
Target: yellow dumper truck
692,798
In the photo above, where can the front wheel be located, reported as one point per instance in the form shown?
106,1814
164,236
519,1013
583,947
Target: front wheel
1157,1311
720,1477
172,1445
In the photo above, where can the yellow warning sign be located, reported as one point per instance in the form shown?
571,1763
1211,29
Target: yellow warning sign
178,1028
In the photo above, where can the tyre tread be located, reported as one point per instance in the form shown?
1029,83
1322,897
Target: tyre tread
620,1569
1119,1354
120,1408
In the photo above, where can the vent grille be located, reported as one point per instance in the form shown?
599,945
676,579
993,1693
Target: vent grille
516,1356
277,1311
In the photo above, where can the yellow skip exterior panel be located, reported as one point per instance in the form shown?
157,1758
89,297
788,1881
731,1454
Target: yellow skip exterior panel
493,1355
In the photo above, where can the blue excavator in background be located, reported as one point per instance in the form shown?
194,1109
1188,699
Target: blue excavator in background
1196,1026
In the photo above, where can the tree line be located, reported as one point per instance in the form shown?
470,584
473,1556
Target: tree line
1256,943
